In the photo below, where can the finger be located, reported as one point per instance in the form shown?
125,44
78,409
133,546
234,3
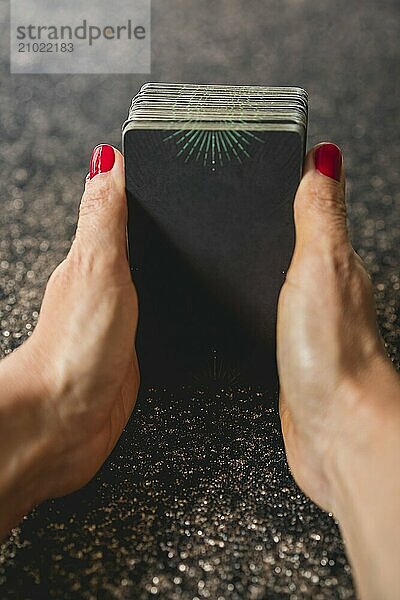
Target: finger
103,211
319,207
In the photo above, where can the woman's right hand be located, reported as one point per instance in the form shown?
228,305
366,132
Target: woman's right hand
339,394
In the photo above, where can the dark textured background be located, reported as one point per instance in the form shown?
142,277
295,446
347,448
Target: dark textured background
196,501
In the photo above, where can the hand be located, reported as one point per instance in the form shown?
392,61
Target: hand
339,394
328,339
78,373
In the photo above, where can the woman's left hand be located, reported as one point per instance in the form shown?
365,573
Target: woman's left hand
68,391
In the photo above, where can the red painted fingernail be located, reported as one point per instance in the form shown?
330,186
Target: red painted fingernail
103,159
328,160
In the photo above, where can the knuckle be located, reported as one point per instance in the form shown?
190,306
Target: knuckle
342,264
325,267
81,262
97,195
349,277
101,266
325,197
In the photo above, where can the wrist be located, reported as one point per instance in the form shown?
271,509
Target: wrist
365,481
367,425
25,437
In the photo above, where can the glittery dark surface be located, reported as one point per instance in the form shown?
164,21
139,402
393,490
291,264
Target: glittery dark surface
196,501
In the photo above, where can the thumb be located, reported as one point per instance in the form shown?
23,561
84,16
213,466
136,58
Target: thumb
319,207
103,209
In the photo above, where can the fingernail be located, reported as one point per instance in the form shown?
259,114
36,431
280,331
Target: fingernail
103,159
328,160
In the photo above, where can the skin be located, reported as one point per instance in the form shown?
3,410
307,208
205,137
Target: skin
339,394
64,405
69,402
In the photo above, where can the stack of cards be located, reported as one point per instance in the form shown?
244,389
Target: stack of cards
211,174
228,110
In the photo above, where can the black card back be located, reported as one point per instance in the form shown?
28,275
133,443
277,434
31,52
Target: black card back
209,247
